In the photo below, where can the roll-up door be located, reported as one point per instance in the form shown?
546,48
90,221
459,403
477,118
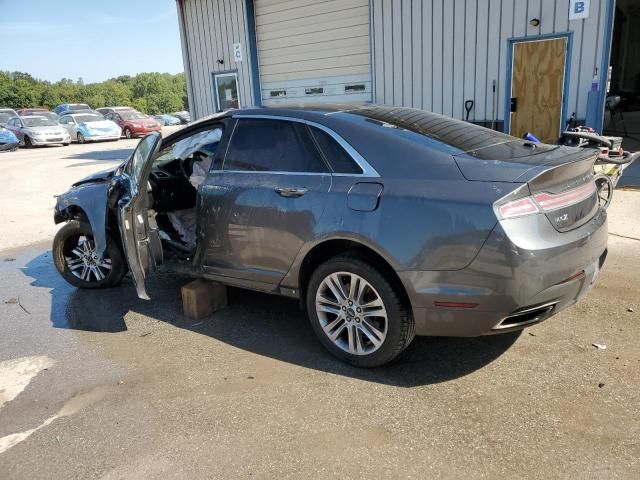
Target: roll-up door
313,50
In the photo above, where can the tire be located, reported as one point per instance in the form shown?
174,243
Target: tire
128,133
65,144
81,138
27,142
393,327
73,270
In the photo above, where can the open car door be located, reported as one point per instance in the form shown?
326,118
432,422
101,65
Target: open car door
139,230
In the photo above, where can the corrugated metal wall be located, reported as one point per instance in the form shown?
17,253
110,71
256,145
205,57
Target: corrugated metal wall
211,29
435,54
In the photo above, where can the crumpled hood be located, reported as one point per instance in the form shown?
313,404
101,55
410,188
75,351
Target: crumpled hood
101,124
98,177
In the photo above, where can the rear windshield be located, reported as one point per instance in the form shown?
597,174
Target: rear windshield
478,142
461,135
38,122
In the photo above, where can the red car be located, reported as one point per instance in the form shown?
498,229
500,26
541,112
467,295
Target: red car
133,123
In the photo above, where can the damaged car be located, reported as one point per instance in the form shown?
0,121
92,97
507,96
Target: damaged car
384,222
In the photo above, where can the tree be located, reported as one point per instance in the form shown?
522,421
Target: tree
148,92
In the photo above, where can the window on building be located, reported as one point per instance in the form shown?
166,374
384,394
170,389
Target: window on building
336,156
264,145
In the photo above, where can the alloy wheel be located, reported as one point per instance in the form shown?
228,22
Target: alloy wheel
351,313
84,262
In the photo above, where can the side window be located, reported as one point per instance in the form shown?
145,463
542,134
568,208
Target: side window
265,145
336,156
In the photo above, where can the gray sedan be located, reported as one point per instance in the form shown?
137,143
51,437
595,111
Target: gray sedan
384,222
37,130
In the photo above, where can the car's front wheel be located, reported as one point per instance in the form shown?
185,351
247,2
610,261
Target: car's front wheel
81,138
356,312
75,257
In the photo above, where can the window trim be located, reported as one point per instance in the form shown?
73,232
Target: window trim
216,99
367,170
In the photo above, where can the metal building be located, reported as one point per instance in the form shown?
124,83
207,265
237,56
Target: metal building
516,65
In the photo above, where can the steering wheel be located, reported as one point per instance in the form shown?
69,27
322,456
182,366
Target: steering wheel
186,166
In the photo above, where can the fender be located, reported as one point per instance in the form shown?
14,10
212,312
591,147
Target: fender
92,200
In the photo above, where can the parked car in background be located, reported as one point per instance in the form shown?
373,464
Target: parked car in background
166,119
184,116
105,110
37,131
8,140
385,221
134,123
89,127
6,114
71,107
41,112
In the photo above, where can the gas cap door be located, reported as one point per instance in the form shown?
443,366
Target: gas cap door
364,196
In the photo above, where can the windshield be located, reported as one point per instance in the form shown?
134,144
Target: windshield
4,117
38,122
132,115
142,154
87,118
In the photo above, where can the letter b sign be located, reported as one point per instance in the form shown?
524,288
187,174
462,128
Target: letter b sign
578,9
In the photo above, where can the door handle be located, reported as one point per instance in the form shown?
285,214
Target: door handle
291,191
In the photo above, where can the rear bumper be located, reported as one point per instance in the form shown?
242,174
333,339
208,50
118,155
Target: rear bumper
526,272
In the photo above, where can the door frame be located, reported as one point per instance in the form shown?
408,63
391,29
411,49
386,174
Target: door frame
214,78
511,42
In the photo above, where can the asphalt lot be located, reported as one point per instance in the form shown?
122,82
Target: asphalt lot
100,384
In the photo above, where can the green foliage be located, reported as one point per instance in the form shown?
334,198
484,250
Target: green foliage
151,93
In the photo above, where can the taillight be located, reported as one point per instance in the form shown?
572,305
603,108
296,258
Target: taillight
545,202
517,208
551,201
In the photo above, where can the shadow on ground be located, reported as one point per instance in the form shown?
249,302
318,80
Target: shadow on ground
264,324
116,154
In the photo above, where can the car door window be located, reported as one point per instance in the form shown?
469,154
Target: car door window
265,145
334,154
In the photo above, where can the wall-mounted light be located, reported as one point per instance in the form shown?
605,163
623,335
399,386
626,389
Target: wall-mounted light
534,22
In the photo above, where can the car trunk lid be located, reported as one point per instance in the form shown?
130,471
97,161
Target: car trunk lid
560,180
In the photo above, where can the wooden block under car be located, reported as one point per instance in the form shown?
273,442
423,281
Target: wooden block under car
202,297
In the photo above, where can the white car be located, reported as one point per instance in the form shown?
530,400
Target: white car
89,127
36,130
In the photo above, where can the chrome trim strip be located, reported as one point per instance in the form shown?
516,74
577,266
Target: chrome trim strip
367,169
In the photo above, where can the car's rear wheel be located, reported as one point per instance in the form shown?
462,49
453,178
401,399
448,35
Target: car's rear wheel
76,259
81,138
356,312
128,133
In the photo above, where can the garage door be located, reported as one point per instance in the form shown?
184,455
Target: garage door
313,50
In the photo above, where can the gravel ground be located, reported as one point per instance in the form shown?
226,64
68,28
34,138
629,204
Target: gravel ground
99,384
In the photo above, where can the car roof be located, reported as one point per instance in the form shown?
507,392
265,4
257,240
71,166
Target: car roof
34,116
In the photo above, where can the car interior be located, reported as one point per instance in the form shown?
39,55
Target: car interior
177,172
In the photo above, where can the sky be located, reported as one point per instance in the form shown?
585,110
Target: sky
92,39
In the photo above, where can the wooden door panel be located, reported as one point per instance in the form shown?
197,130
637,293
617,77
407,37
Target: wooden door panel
537,84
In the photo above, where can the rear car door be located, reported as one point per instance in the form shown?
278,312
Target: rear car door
264,204
139,230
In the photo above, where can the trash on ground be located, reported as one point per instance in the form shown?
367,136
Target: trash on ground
600,385
629,309
599,346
